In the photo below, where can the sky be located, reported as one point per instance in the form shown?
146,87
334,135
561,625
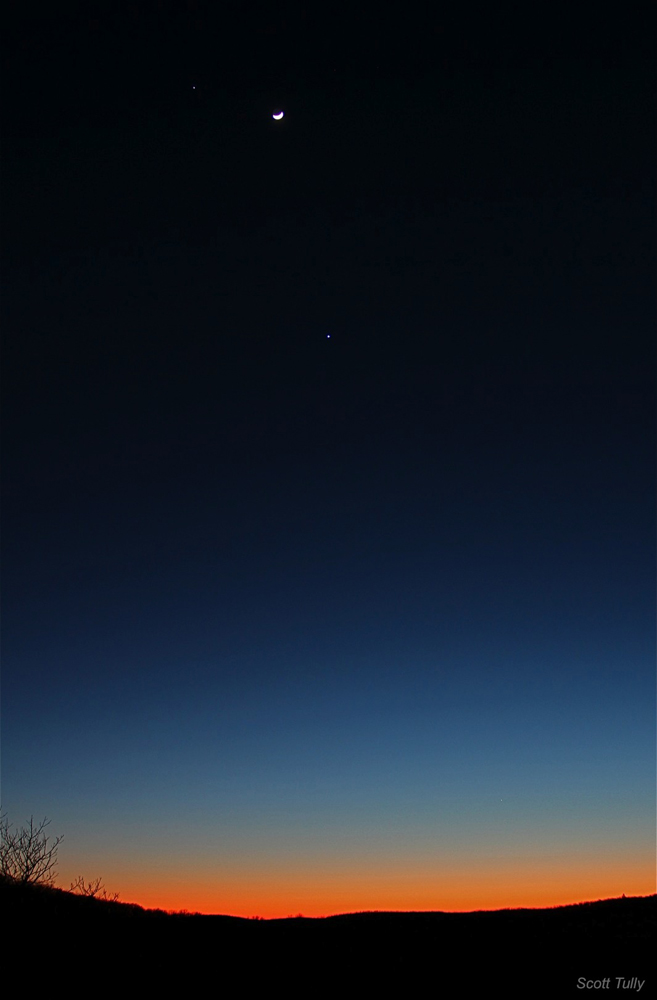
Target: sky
328,454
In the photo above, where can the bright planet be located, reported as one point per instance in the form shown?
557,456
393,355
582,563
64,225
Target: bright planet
278,115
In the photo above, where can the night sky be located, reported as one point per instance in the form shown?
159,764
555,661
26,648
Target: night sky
328,452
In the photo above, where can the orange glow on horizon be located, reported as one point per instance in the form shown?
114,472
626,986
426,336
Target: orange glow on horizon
281,893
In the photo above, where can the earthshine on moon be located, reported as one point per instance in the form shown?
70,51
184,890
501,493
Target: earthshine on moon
278,115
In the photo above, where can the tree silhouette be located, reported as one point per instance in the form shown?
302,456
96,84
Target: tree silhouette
27,855
96,889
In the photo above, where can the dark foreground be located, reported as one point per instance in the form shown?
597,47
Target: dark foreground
602,947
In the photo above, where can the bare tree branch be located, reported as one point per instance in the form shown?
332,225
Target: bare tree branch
28,855
95,889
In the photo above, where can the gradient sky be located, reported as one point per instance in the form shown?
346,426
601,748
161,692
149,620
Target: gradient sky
328,489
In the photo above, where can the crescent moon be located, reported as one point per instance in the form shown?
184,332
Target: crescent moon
278,115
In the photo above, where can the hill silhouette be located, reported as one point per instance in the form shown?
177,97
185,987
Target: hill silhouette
522,951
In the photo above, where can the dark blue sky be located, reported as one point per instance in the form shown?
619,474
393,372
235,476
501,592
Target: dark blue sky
329,457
